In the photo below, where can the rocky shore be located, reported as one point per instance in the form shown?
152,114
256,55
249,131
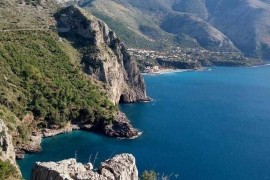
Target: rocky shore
120,167
6,145
120,128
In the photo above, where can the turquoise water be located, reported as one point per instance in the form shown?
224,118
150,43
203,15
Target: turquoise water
203,125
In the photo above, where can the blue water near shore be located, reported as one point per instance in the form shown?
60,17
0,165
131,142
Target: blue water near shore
203,125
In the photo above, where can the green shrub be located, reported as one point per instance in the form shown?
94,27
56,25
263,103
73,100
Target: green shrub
8,171
41,78
149,175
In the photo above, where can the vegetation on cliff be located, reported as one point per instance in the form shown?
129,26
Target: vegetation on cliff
149,175
41,77
8,171
44,83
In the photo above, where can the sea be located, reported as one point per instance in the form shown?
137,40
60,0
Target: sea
212,124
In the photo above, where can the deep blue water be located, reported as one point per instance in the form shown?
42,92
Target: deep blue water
203,125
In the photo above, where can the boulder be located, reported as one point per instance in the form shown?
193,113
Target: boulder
120,167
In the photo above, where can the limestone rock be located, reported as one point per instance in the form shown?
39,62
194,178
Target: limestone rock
105,58
121,128
31,146
120,167
7,151
6,146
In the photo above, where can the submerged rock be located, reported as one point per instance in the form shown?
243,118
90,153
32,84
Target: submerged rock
120,167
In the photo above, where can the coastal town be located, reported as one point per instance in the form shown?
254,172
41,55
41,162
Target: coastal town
151,61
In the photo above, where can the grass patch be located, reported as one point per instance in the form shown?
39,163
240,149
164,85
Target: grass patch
8,171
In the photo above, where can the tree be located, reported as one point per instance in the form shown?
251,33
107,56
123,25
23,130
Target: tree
149,175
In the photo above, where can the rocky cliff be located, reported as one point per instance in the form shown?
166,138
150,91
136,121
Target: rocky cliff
104,57
6,147
7,154
120,167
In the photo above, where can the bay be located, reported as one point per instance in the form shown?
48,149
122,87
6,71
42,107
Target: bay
212,124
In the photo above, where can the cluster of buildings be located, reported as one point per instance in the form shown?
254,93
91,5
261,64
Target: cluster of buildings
186,54
147,58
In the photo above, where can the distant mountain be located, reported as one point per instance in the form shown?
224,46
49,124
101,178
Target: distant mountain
246,23
222,25
206,35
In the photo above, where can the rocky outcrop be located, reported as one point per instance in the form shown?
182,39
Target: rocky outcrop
31,146
105,58
121,128
7,151
120,167
6,147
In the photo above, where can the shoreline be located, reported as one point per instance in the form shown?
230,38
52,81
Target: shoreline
167,71
35,140
262,65
171,70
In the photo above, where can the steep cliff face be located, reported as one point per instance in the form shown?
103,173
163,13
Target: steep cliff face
104,57
120,167
6,147
7,155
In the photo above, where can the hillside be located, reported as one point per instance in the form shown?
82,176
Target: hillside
138,24
243,25
247,24
58,75
134,28
207,36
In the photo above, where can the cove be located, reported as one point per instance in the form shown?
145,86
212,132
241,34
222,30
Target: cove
202,125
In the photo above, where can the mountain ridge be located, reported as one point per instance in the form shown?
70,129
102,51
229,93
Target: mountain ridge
244,23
